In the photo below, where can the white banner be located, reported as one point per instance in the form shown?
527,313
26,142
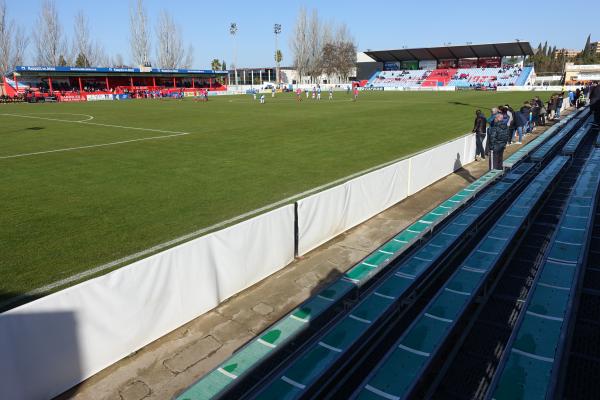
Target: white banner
98,97
327,214
51,344
434,164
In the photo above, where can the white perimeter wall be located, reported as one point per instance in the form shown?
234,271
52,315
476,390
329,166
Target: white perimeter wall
325,215
50,345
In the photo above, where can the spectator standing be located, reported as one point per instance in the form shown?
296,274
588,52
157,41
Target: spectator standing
479,129
542,111
498,138
559,104
522,118
535,114
550,109
554,100
490,121
571,98
511,123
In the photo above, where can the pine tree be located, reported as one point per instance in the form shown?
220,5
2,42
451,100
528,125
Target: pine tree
587,49
81,61
545,49
62,62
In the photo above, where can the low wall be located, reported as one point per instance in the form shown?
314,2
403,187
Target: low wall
52,344
49,345
324,215
535,88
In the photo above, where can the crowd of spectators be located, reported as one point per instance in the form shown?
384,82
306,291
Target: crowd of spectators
506,126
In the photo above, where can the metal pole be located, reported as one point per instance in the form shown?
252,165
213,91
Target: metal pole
277,31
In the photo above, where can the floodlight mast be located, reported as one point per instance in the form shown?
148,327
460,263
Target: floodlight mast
233,31
277,31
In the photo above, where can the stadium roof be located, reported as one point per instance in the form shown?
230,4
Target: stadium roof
70,71
454,52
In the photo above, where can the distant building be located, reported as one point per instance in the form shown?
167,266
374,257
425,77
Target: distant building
581,73
569,53
595,47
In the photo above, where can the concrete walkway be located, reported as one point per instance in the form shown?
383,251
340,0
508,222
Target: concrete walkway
167,366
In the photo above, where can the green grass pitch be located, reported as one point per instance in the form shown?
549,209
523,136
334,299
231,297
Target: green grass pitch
68,211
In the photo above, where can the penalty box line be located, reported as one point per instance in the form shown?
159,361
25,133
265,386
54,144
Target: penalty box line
171,135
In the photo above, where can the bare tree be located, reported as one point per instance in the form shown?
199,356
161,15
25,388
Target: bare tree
20,44
299,44
329,59
48,36
85,51
6,43
140,38
346,52
118,61
169,46
315,46
346,59
189,58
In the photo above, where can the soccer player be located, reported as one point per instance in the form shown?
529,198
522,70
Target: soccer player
262,99
318,92
330,93
298,94
355,92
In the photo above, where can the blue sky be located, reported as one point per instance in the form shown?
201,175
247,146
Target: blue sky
375,25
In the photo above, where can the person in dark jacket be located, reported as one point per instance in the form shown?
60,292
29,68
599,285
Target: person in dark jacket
595,102
498,137
479,128
522,118
512,125
559,104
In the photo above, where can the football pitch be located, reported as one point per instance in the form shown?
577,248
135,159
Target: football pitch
85,184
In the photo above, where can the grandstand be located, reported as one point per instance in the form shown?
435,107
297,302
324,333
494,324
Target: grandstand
478,299
80,84
470,66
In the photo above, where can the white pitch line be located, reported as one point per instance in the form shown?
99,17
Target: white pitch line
95,123
91,146
172,134
88,117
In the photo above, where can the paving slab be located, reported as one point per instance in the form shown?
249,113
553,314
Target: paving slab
169,365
